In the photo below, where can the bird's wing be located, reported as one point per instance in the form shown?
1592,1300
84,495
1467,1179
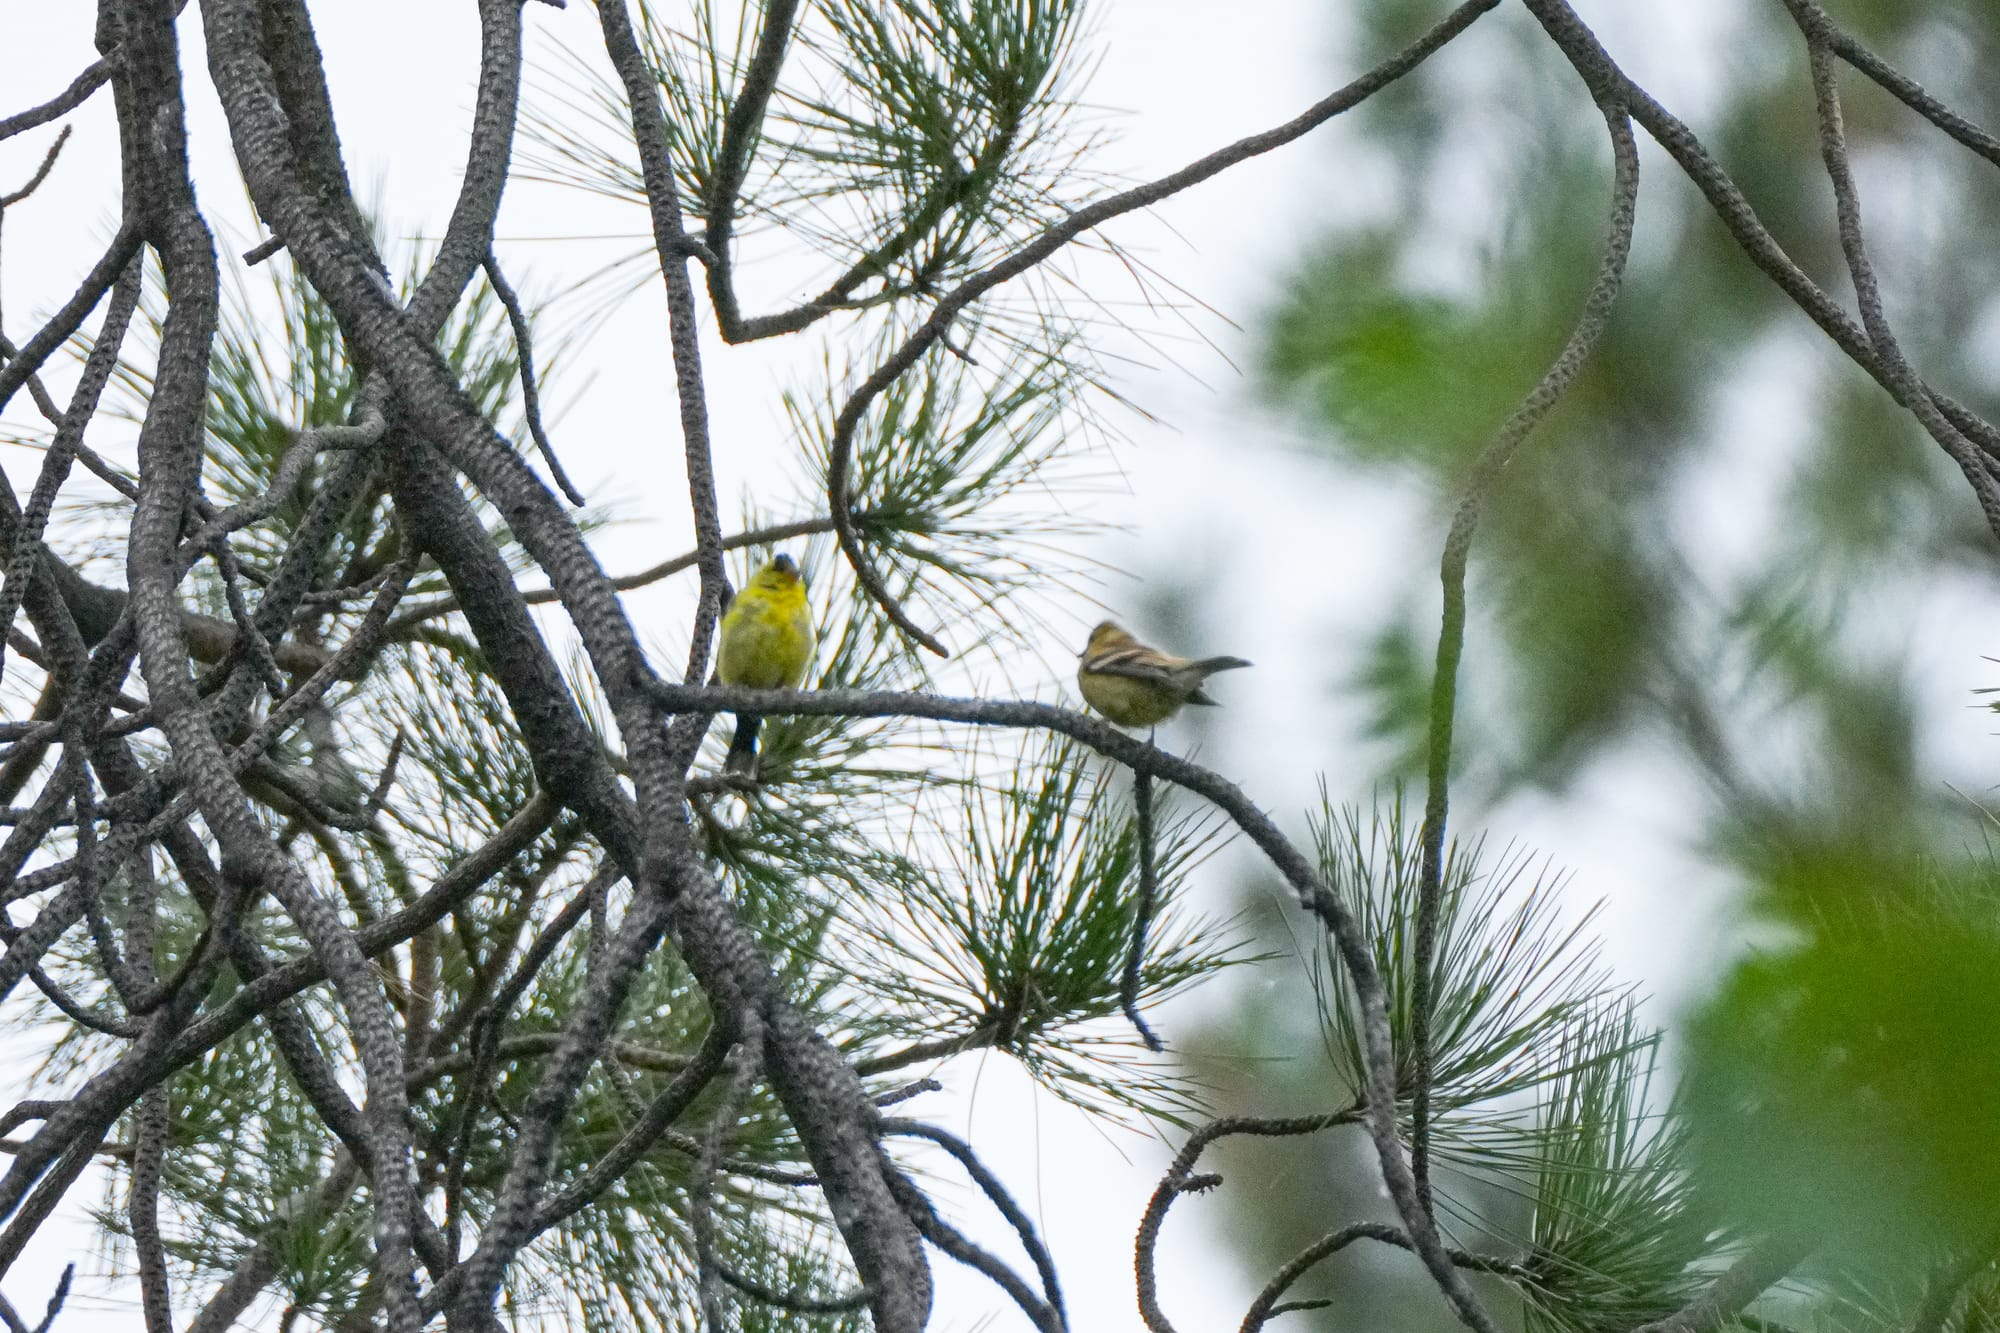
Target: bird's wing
1135,664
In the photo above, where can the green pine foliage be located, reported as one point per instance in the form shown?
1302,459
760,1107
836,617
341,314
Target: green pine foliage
919,894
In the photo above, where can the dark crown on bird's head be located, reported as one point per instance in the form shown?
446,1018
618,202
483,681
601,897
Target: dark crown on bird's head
782,564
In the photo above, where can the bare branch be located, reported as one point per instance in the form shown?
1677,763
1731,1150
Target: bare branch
1267,1303
69,99
840,448
1142,912
776,532
41,172
56,1299
1486,471
67,320
1180,1179
1822,29
671,243
1584,51
996,1193
954,1243
148,1157
1759,1268
531,396
1313,895
786,1300
739,138
97,369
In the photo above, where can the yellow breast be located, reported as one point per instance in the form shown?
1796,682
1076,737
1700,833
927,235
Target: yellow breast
1128,702
767,638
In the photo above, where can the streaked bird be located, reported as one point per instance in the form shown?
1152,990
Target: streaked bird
766,641
1137,686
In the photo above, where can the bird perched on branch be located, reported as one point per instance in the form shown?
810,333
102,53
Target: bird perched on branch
767,638
1137,686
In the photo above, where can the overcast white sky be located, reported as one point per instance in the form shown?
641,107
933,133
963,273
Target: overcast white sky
1213,490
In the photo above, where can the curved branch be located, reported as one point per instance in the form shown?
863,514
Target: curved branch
34,182
996,1193
1821,28
784,1300
1142,912
1486,470
69,99
1584,51
840,447
1180,1179
668,1107
671,242
531,394
1313,895
954,1243
468,237
1761,1267
1267,1303
97,367
732,160
67,320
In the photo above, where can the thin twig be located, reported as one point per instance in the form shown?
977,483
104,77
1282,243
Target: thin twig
69,99
531,395
954,1243
56,1299
41,172
996,1193
701,1189
916,1088
1180,1179
740,131
1142,913
67,320
1267,1304
263,250
1584,51
97,371
1817,25
404,624
668,1107
840,447
788,1300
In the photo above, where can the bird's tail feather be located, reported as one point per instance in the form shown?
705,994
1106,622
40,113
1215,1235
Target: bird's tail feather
742,758
1208,666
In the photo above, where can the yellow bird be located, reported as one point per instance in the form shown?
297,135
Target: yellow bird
767,638
1137,686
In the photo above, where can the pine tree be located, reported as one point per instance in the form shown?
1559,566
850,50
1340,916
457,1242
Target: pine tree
412,956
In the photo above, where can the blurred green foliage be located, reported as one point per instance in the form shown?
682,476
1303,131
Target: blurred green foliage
1712,548
1404,340
1848,1079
